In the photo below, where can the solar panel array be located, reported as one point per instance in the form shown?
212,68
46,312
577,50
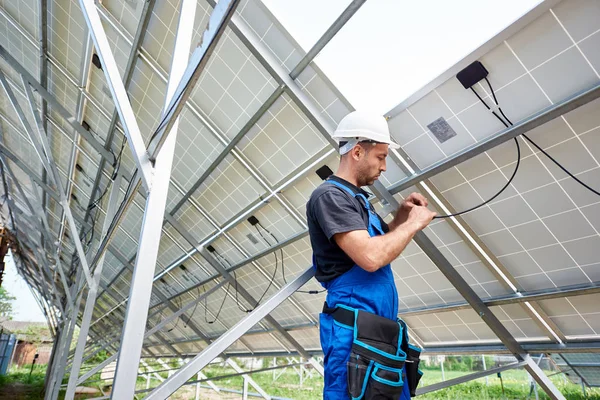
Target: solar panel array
540,235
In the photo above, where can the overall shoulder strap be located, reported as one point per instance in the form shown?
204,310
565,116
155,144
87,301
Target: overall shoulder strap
366,203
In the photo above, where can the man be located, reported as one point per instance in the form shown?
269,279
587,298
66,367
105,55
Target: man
352,246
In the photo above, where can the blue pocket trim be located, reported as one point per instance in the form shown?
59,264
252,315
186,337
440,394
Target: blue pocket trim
342,325
385,381
399,357
364,385
415,348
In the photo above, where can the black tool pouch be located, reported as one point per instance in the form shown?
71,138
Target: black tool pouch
375,368
413,373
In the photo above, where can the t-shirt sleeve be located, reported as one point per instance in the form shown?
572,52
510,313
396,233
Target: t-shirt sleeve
335,213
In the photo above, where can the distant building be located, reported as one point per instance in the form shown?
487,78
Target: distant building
32,338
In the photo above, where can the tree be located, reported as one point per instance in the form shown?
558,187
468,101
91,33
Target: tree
6,307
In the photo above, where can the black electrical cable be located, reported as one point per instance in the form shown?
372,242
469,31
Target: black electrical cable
193,311
220,307
178,318
282,259
538,147
509,180
494,196
237,300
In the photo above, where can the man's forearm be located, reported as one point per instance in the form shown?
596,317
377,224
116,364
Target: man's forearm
387,248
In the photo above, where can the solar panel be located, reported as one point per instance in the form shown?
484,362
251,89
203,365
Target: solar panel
540,234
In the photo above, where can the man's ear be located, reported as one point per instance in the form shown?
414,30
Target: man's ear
356,152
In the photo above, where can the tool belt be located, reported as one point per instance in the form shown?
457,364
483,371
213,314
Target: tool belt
380,354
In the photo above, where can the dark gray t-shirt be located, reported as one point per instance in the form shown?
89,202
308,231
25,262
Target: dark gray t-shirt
332,210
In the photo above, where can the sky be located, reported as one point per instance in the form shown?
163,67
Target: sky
392,48
25,307
385,53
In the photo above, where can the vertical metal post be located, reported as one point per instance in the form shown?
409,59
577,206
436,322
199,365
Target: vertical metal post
487,383
63,353
198,388
251,381
583,389
143,273
245,391
442,365
91,297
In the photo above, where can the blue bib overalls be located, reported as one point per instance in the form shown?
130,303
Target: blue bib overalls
374,292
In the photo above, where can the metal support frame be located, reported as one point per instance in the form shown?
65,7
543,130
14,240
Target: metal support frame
409,185
467,378
255,46
42,226
141,288
91,296
56,106
227,339
532,122
44,152
247,378
41,271
155,329
230,148
128,74
62,351
119,93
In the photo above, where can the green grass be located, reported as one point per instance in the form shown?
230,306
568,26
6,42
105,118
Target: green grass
287,385
32,385
516,385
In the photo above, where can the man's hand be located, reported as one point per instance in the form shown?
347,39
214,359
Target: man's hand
420,217
414,199
371,253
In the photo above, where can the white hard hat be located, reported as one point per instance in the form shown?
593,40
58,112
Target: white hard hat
359,126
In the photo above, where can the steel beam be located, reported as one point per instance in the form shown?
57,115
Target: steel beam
552,293
129,69
468,378
44,151
216,27
60,358
91,296
226,151
179,378
141,287
532,122
333,29
157,327
257,48
56,106
119,93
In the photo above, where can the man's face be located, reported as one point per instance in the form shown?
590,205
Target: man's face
371,163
